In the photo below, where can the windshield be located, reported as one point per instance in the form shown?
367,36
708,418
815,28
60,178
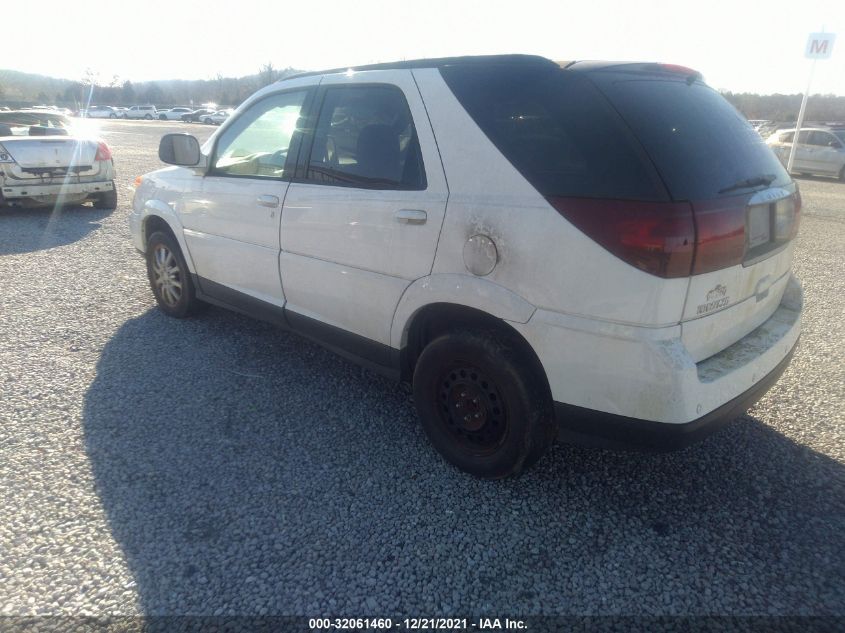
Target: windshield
701,145
840,134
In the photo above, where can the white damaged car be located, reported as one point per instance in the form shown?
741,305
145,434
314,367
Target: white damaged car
43,164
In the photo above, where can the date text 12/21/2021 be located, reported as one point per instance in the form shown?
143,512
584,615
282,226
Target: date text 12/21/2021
416,624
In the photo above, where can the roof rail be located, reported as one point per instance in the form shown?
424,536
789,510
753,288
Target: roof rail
436,62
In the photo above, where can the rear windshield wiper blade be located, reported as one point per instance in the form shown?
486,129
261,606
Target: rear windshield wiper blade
757,181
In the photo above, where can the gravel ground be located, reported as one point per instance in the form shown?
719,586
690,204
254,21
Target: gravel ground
221,466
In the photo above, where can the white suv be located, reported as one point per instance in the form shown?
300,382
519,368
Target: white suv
147,112
599,252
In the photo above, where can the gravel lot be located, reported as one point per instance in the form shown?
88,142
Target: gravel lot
220,466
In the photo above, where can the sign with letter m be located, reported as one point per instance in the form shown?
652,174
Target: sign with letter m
819,45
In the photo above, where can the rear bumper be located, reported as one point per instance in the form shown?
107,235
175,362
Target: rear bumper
625,381
55,191
585,427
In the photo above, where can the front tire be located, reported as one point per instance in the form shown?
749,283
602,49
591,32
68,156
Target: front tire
484,403
169,277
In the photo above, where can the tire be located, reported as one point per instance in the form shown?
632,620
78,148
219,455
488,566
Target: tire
842,175
207,121
148,117
174,292
106,200
112,116
484,403
162,118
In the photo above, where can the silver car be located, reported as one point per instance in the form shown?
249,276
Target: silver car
819,151
43,164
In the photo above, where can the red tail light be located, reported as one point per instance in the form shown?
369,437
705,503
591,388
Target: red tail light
720,229
103,151
657,237
670,239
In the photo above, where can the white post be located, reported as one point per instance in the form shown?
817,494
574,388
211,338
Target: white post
800,120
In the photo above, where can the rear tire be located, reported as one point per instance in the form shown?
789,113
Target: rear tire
162,117
106,200
112,116
169,277
148,117
483,403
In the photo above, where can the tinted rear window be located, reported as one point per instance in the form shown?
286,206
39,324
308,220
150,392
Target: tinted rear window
557,129
699,142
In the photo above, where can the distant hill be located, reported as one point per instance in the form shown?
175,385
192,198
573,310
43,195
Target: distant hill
24,89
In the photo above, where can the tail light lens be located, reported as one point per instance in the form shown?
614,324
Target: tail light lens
657,237
677,239
103,151
720,233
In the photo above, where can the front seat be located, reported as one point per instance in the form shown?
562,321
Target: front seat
378,153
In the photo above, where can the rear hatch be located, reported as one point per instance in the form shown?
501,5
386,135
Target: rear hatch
49,159
745,206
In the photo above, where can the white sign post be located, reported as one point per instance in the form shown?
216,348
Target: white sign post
819,46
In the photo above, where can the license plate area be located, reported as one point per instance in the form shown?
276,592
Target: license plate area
768,228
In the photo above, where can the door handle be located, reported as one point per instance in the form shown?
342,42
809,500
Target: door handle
268,201
411,216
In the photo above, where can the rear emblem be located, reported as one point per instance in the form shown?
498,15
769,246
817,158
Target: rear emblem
716,299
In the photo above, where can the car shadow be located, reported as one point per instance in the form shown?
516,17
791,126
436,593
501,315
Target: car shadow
30,230
244,470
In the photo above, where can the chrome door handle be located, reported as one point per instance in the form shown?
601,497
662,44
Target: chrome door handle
411,216
268,201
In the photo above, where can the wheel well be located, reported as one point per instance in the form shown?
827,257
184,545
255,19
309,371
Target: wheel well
152,224
439,318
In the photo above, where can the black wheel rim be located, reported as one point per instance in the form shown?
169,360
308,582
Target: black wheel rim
471,409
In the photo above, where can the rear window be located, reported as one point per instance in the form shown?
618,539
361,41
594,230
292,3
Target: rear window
557,129
702,146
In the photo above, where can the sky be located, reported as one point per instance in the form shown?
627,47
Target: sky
742,46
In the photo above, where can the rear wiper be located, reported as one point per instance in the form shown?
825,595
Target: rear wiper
750,182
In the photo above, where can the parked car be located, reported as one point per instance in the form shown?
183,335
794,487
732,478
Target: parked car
216,118
819,151
196,115
43,164
601,251
147,112
99,112
173,114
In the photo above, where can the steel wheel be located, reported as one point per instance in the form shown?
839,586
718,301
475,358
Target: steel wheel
167,275
472,409
484,402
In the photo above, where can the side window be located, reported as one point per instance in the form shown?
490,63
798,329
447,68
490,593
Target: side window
803,137
822,139
365,137
256,144
787,138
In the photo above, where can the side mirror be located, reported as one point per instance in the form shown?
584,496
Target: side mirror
179,149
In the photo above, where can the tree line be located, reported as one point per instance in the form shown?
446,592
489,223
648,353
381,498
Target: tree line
19,89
